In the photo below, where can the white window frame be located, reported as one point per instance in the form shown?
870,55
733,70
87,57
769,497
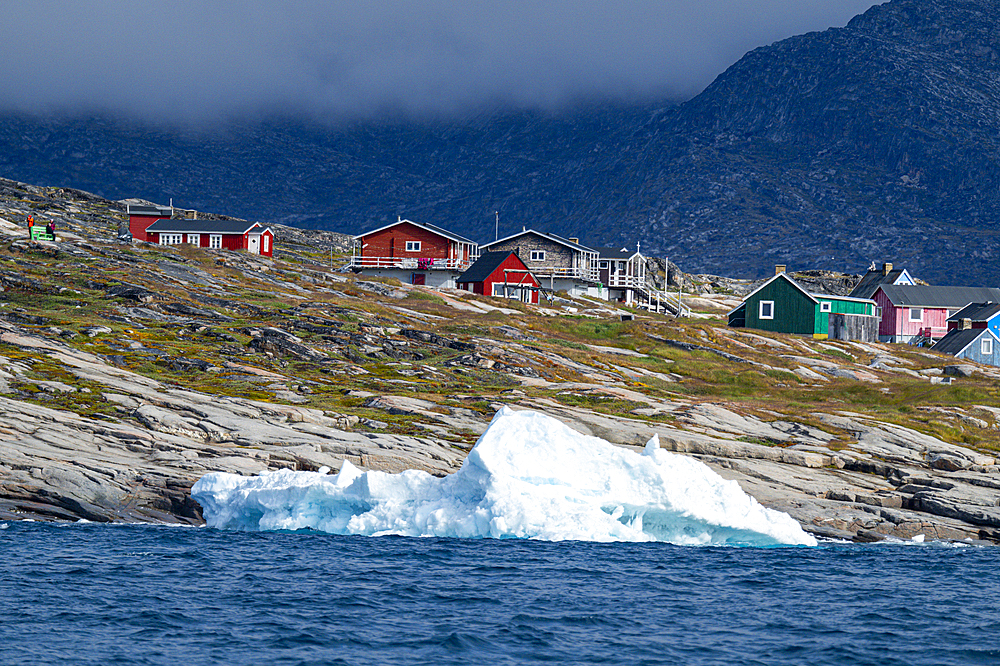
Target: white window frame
501,287
194,239
215,242
920,314
825,306
171,239
878,311
604,265
537,255
760,310
413,246
265,243
986,346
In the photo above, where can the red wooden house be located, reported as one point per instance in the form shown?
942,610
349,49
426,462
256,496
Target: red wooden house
141,217
918,314
416,253
500,274
250,237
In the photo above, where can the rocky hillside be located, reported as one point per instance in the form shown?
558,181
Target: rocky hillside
872,142
129,370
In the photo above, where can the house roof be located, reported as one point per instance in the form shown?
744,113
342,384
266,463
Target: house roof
552,237
622,253
423,225
921,296
958,341
202,226
140,209
871,281
791,281
815,298
486,264
977,312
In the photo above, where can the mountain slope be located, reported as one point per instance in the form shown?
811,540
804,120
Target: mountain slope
877,141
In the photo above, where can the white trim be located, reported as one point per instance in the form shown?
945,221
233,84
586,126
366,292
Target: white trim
413,246
171,239
265,242
498,286
215,241
760,310
193,239
537,255
910,317
825,306
986,346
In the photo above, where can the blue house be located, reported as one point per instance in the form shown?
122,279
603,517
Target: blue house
981,345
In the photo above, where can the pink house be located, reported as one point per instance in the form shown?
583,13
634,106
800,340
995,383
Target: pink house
916,314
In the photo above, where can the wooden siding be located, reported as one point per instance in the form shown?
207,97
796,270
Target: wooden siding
794,312
137,225
391,242
839,306
860,327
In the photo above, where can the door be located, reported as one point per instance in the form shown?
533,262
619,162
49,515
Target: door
418,278
253,244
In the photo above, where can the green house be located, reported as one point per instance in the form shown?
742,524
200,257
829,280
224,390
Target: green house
782,305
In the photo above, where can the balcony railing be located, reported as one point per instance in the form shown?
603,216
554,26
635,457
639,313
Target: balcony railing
590,274
410,263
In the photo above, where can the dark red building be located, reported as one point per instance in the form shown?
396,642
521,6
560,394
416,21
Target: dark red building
250,237
141,217
500,274
414,252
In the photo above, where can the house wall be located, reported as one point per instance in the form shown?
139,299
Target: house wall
556,255
234,241
861,327
269,252
391,242
137,225
794,312
433,279
517,273
843,307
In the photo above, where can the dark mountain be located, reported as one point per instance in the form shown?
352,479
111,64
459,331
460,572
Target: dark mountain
873,142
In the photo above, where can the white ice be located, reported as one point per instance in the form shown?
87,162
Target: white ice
529,476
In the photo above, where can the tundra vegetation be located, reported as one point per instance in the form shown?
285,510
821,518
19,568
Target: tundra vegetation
127,370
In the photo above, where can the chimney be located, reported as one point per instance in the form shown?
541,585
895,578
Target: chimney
886,269
779,269
965,324
574,240
523,228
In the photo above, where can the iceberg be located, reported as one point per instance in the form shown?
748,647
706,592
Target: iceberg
529,476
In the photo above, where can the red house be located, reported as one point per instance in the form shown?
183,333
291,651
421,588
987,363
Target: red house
501,274
413,252
251,237
918,314
141,217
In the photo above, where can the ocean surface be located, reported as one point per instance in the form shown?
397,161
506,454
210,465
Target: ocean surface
118,594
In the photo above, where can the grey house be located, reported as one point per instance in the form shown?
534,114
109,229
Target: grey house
560,264
975,344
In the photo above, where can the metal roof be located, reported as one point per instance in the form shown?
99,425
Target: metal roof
202,226
958,341
486,264
552,237
976,312
423,225
920,296
140,209
615,253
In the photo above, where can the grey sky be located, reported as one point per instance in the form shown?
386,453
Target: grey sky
198,60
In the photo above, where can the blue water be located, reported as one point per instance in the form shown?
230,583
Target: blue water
100,594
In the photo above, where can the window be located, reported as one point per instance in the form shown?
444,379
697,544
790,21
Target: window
987,346
766,310
916,314
878,311
498,289
604,264
266,240
194,239
825,306
413,246
215,241
538,255
171,239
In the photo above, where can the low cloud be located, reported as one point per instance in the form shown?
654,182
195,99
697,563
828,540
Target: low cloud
192,61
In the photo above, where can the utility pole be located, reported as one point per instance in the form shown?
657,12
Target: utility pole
496,229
